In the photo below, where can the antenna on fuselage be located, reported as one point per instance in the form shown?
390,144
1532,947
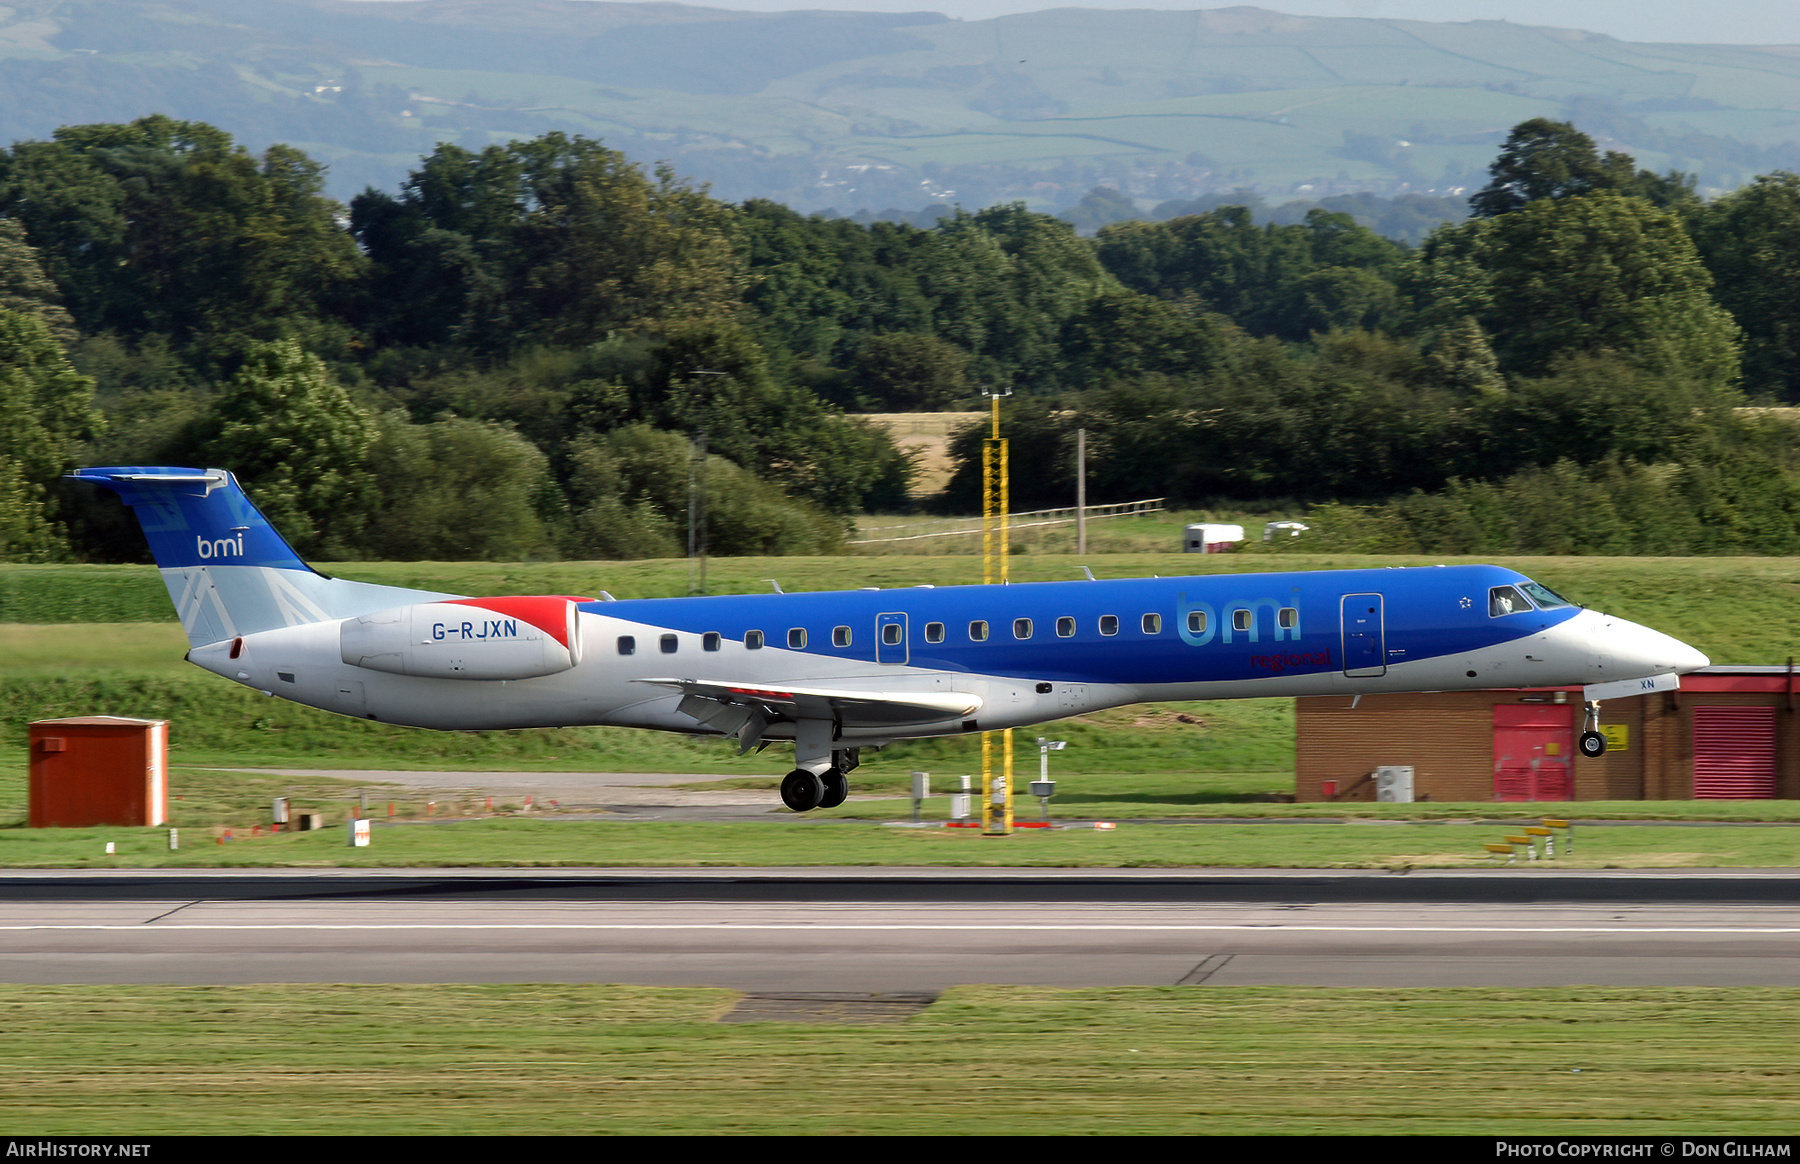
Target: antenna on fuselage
1090,574
776,585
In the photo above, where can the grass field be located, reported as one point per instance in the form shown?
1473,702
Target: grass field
217,832
986,1060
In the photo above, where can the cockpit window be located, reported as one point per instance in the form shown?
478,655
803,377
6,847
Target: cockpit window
1506,600
1546,598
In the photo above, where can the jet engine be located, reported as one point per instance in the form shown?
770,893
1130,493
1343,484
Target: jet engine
470,638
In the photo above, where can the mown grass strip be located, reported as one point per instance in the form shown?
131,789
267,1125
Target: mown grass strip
981,1060
792,841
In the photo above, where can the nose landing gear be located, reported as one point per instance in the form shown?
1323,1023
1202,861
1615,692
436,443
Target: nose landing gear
1591,742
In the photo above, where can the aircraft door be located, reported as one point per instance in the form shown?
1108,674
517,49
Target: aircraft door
1365,636
890,638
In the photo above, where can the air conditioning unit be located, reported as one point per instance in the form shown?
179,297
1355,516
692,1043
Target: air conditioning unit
1394,784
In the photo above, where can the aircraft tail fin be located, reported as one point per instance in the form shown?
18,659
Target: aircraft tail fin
228,571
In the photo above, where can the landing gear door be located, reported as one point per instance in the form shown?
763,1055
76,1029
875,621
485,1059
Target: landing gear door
1365,639
890,638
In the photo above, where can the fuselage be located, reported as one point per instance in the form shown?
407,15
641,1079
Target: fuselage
1021,654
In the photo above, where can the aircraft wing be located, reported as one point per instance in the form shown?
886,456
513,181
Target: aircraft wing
745,709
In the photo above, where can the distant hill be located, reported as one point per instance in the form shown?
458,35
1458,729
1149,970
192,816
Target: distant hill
871,110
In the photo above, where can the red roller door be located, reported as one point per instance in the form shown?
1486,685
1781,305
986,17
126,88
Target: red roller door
1734,753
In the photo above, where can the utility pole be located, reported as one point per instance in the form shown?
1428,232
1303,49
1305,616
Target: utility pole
697,511
1081,492
697,486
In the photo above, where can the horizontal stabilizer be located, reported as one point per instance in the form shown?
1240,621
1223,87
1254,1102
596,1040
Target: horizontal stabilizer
195,517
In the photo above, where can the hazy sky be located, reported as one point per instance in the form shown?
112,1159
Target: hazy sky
1690,21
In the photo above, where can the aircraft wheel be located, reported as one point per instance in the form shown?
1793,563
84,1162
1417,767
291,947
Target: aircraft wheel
836,788
1592,744
802,791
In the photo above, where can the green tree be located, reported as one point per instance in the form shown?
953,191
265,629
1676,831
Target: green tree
1750,242
714,377
608,248
25,288
1460,359
555,240
1339,297
25,534
1122,334
1580,275
1003,283
456,490
1605,272
629,495
167,226
1547,159
1594,406
46,407
908,372
299,444
1098,207
47,415
1285,280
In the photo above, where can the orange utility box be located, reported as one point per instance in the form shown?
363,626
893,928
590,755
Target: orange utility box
99,770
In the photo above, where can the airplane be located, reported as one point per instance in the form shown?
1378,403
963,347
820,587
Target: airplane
837,672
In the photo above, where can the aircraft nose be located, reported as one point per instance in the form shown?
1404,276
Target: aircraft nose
1639,651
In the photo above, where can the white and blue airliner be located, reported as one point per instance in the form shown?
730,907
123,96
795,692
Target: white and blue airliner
836,672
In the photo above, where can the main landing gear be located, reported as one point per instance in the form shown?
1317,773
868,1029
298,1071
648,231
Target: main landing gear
1591,742
804,790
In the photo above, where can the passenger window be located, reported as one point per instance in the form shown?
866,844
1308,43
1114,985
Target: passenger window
710,641
1065,627
890,634
1153,624
1021,628
753,640
978,631
1289,617
627,645
1196,622
1109,624
797,639
669,644
840,636
1240,620
934,632
1504,600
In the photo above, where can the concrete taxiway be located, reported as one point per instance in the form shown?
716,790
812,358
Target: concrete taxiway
896,930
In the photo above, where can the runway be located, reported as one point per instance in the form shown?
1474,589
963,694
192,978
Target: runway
903,930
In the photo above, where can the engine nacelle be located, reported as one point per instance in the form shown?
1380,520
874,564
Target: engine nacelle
467,638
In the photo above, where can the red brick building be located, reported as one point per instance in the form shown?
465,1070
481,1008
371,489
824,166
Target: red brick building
1729,733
